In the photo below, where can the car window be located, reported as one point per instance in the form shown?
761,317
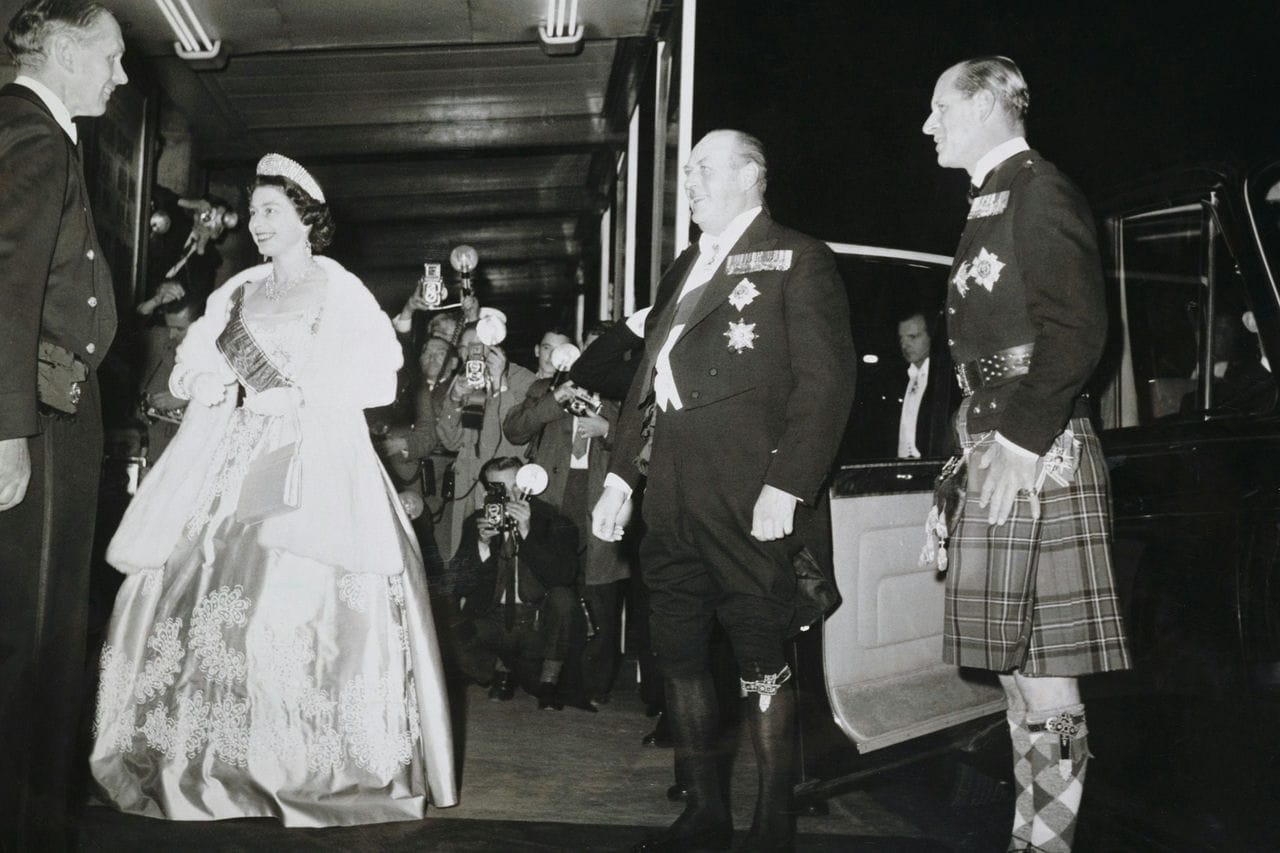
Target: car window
885,293
1264,208
1187,342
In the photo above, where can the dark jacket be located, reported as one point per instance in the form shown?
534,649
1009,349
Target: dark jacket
54,281
609,364
547,557
1028,271
787,393
547,429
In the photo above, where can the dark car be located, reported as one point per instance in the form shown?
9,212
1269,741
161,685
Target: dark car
1187,743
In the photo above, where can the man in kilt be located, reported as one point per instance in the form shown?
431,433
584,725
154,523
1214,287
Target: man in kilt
1030,590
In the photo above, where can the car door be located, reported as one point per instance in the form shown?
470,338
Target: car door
885,681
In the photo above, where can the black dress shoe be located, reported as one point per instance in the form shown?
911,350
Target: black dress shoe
581,704
502,689
677,793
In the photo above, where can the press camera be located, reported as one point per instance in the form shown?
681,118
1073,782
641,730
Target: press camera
495,507
580,401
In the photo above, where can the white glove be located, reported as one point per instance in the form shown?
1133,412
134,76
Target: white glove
208,390
274,401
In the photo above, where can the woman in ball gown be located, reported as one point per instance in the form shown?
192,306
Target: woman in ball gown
272,651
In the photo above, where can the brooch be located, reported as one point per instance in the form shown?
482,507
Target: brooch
741,336
743,295
984,269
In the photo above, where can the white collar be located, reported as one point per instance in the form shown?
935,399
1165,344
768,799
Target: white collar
996,156
61,114
923,370
718,246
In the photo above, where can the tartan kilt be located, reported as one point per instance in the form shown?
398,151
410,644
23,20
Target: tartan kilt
1038,596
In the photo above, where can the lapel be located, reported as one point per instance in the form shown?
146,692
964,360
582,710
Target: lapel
658,324
924,419
757,238
997,181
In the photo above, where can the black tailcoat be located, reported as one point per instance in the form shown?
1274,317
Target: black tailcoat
54,285
766,380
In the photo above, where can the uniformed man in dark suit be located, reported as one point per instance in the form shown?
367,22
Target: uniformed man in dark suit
56,324
736,410
1030,588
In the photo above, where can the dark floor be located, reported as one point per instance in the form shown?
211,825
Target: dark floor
543,780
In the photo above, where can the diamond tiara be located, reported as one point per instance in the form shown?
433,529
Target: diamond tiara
281,166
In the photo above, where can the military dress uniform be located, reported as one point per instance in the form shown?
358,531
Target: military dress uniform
57,322
1026,317
1026,325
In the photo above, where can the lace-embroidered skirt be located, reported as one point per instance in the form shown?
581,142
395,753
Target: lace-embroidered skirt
242,681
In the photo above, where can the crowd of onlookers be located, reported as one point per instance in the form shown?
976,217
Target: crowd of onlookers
523,595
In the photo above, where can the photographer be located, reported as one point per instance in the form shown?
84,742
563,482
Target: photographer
161,410
470,423
514,571
412,452
569,434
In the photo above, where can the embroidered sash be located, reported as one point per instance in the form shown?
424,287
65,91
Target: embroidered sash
245,355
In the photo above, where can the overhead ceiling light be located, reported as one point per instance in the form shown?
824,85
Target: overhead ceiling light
561,34
193,42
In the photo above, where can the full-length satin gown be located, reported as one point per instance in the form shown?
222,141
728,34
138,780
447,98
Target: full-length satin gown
245,681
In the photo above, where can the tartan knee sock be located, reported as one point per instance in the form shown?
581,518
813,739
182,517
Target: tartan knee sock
1059,754
1023,807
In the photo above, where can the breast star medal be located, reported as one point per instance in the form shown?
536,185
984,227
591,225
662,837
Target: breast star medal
961,279
741,335
986,269
743,295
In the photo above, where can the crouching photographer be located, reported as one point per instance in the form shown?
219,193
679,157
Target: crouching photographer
513,574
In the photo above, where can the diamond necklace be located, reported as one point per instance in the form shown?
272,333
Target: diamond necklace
275,292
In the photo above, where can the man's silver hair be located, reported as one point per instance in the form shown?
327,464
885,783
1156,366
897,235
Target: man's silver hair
40,20
1000,76
749,149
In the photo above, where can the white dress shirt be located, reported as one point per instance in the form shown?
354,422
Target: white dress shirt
917,381
61,114
711,254
579,448
712,250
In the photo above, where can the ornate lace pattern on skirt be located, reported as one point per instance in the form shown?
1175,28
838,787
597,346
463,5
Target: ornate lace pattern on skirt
369,719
